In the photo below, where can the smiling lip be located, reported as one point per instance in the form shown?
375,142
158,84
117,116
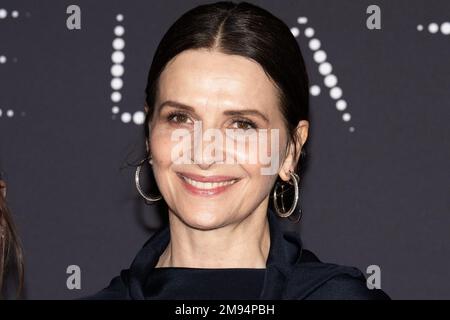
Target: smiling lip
206,186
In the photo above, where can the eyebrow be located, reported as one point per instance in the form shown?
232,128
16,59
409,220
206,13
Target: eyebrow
243,112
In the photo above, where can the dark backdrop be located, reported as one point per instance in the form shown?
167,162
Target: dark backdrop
377,186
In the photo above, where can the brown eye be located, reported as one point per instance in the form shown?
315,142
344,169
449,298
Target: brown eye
178,117
245,124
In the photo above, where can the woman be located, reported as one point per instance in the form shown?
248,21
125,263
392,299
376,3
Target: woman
10,248
229,66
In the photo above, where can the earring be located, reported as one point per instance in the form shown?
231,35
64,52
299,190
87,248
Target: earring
282,212
148,199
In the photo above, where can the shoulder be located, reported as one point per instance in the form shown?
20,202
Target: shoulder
116,290
313,279
346,287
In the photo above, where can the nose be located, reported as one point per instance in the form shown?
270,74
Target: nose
204,166
206,145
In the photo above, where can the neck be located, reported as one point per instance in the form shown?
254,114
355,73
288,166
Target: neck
244,244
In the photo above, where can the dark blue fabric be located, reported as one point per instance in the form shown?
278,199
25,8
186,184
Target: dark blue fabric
201,283
291,273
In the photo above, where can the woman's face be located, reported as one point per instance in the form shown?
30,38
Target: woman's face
218,90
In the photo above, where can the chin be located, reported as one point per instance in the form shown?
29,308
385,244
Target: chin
203,220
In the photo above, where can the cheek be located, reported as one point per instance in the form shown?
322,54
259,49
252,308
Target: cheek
278,145
160,147
256,148
270,151
257,180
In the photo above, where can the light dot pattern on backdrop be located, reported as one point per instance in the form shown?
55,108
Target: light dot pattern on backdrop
116,96
314,44
4,13
118,69
125,117
435,28
302,20
118,57
445,28
309,32
9,113
295,31
320,56
119,31
346,116
341,105
138,117
118,44
330,80
314,90
116,83
325,68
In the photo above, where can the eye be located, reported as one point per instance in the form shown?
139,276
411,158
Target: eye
178,117
245,124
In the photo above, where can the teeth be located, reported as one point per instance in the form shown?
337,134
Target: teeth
208,185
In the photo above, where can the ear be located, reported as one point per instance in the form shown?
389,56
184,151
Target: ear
291,160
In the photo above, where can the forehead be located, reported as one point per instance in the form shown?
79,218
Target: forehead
201,77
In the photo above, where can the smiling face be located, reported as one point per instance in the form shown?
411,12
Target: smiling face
223,92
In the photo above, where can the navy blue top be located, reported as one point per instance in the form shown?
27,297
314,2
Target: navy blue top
202,283
291,272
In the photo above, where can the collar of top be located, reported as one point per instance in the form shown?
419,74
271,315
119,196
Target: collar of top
284,253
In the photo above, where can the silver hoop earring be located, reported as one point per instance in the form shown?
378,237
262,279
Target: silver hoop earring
148,199
282,212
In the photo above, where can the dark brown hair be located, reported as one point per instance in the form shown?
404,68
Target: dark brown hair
11,254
